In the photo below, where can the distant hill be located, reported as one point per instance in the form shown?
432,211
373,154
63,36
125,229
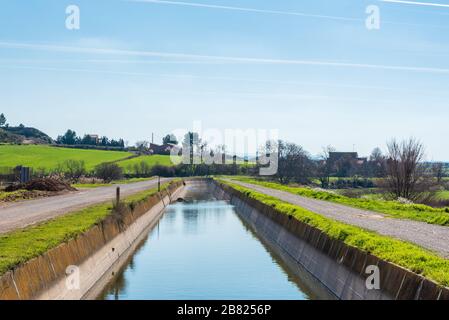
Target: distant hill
24,135
6,137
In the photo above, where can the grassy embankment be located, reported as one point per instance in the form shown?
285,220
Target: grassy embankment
404,254
393,209
19,246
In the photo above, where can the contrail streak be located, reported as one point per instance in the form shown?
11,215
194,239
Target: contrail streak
427,4
212,6
238,94
187,76
278,12
59,48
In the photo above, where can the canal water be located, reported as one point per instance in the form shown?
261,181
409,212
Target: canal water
201,249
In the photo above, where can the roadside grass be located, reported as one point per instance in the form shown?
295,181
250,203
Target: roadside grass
19,194
96,185
4,195
316,181
402,253
417,212
21,245
48,158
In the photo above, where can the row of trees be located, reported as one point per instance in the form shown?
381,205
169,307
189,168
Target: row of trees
71,138
297,165
403,170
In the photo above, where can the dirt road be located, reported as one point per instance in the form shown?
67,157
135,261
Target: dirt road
22,214
433,237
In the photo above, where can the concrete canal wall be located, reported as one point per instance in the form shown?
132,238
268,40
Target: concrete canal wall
338,267
94,253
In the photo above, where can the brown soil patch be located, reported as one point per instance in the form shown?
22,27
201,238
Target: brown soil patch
42,185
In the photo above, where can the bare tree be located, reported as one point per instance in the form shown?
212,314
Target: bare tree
294,163
405,168
143,146
438,171
377,163
324,167
203,150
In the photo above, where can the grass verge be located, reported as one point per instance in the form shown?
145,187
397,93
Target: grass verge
19,246
97,185
404,254
417,212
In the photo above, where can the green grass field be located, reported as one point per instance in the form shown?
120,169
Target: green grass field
129,165
402,253
443,195
48,158
393,209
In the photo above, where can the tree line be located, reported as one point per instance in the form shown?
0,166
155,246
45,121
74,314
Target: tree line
70,138
402,171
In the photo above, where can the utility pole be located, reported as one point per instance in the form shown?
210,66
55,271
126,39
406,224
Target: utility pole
152,137
202,148
191,147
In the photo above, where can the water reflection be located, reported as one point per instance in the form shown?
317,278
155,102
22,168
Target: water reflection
203,251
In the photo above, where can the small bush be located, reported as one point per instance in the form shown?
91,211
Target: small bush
108,172
163,171
72,169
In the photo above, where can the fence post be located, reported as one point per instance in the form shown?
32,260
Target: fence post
117,196
158,183
25,174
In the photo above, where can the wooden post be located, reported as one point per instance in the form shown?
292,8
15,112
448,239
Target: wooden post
117,196
159,183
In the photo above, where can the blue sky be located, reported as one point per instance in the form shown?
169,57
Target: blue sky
318,75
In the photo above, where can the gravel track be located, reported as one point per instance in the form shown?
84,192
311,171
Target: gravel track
429,236
25,213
